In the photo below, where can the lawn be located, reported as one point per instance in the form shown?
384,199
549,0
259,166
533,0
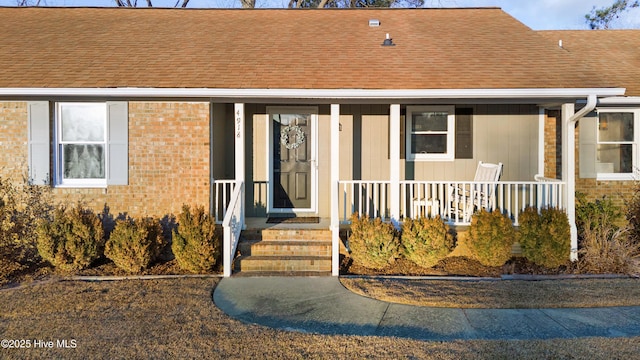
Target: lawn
176,318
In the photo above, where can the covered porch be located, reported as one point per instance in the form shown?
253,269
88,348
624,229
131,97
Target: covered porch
403,187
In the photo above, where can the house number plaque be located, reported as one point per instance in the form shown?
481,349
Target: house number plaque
238,124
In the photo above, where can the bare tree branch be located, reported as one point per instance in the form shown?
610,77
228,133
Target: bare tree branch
248,4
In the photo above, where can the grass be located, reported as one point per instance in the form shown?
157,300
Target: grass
501,293
177,319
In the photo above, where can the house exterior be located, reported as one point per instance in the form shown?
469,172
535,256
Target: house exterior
256,113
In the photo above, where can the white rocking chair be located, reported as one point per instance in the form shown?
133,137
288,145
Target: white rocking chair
464,200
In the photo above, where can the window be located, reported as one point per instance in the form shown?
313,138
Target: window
90,143
616,144
430,133
81,134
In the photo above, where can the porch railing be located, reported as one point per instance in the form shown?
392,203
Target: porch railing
455,201
221,192
232,226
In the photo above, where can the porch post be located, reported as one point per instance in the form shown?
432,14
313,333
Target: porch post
239,136
569,172
541,121
394,163
335,178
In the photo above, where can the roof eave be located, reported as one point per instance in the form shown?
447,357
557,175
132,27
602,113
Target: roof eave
347,94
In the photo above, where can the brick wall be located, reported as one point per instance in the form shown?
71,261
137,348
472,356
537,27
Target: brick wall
618,191
168,158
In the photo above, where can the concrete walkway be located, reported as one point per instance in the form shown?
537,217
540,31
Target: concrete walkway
322,305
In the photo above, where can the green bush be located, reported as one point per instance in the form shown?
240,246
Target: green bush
605,247
600,217
633,215
195,243
545,237
491,236
72,239
426,241
135,244
373,243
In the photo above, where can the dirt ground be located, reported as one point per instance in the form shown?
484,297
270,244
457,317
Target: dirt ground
177,318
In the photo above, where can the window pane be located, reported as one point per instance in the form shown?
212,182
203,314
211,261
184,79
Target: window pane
429,144
83,161
615,127
83,122
615,158
429,121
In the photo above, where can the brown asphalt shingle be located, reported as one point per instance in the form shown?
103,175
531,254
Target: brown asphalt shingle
320,49
614,54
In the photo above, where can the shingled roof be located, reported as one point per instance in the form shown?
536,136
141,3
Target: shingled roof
474,48
614,54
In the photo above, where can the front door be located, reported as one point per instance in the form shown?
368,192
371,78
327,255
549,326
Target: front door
292,160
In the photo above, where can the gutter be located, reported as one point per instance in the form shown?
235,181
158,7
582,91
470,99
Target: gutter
353,94
568,156
592,101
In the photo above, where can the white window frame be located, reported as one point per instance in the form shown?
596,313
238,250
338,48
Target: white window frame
58,161
634,143
449,155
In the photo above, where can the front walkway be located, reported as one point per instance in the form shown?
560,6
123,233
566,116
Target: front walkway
322,305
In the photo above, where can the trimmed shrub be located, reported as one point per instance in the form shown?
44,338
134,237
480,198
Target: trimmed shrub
426,241
491,236
195,243
72,239
135,244
373,244
545,237
604,247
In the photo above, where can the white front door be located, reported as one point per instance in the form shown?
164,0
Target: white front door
292,160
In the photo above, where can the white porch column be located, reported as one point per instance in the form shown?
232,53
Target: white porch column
569,172
394,163
335,178
239,140
541,122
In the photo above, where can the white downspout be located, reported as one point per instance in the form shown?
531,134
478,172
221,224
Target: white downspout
569,163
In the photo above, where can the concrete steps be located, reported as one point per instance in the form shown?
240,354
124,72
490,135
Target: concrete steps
284,252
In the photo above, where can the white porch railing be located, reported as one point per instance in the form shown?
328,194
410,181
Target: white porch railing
232,226
221,192
454,201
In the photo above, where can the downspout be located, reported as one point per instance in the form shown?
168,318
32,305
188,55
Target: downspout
570,147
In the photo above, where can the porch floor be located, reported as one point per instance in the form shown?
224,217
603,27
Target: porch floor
260,223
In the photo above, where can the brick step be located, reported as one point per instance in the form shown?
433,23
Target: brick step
281,273
287,234
248,264
285,248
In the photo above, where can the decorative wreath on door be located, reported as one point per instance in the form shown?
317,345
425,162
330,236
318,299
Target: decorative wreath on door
284,137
